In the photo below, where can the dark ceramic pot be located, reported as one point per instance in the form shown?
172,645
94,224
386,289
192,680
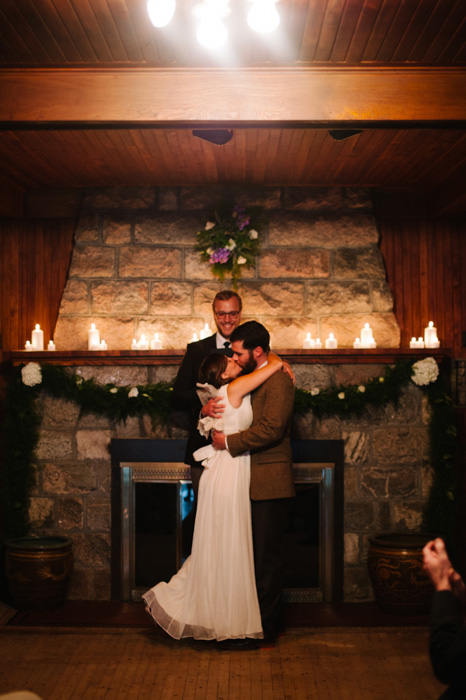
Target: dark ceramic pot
399,581
38,570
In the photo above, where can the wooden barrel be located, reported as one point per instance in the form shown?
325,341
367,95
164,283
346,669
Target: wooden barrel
395,562
38,570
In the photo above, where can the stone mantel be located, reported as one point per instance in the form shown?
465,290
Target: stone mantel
173,357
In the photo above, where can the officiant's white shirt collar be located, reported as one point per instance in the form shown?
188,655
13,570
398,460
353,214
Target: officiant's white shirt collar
221,340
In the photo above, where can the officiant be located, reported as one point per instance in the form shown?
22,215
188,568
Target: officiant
226,308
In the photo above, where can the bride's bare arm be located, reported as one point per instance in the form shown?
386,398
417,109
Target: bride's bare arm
243,385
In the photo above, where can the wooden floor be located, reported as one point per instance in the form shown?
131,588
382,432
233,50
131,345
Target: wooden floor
140,664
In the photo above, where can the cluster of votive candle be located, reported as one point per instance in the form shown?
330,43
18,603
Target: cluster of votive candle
430,339
93,339
365,341
37,340
145,343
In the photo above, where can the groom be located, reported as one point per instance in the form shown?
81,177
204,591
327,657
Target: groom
272,483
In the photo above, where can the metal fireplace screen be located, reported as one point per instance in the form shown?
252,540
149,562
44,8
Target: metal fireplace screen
153,520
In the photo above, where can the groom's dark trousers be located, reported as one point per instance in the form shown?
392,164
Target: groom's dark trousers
272,485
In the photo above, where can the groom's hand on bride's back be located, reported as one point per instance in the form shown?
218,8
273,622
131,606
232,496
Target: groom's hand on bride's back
218,440
213,408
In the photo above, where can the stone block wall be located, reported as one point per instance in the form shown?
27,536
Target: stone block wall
134,268
386,473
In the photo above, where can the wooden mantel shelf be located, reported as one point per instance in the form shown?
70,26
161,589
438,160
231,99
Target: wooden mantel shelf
173,357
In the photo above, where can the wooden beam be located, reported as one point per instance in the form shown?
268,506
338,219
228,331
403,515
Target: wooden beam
247,96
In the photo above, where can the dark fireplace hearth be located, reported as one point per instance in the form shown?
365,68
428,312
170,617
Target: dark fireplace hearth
152,519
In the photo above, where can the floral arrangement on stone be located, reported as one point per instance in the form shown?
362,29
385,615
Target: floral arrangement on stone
229,241
21,424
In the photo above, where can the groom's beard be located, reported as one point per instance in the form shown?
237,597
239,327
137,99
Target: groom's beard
250,365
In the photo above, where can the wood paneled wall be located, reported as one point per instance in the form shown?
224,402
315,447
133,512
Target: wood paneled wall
34,261
426,270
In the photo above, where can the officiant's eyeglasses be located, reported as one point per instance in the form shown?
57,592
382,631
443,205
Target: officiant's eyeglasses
224,314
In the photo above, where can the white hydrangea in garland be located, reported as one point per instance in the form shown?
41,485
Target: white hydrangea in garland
31,374
425,371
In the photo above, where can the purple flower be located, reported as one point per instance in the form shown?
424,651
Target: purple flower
242,223
220,255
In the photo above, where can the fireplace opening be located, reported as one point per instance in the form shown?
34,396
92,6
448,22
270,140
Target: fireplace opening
153,518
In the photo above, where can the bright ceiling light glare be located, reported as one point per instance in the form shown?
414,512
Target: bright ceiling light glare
263,16
212,33
161,11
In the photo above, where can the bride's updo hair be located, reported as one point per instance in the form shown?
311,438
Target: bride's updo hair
212,368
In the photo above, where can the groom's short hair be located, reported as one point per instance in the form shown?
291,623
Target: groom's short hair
253,335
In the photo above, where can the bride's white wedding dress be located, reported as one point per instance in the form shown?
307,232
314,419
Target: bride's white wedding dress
213,595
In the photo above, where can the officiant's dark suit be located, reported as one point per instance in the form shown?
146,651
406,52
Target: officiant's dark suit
185,397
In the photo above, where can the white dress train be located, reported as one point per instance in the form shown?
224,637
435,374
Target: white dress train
213,595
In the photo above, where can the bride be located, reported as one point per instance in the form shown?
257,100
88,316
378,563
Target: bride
213,595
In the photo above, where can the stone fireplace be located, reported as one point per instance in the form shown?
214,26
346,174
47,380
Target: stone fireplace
386,473
134,270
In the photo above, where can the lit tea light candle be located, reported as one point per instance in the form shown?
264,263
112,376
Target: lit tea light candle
37,338
367,340
430,336
318,344
156,343
357,343
93,338
205,332
28,346
308,342
134,344
331,342
51,346
143,343
194,339
103,345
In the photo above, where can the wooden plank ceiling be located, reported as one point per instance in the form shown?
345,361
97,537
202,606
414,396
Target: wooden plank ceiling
108,35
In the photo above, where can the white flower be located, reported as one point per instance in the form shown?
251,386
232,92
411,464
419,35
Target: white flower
114,390
133,393
341,395
231,244
31,374
253,233
241,260
79,380
315,391
425,371
209,251
361,388
209,225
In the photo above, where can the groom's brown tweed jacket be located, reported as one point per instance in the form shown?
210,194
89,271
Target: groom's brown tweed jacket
268,439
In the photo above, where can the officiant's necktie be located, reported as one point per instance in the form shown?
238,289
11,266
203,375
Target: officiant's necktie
228,350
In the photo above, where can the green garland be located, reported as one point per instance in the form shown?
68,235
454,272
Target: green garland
21,424
22,419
